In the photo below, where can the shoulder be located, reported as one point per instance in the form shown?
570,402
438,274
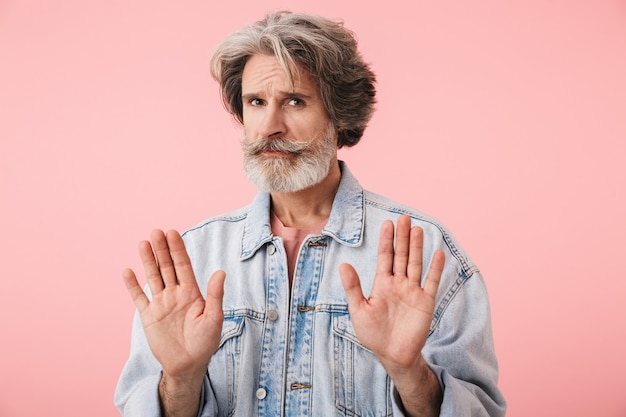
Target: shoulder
225,221
387,209
436,234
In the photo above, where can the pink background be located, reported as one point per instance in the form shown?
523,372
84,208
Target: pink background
506,120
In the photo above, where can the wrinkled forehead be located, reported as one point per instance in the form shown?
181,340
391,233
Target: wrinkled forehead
264,72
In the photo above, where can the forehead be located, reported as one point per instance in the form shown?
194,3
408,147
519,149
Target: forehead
263,73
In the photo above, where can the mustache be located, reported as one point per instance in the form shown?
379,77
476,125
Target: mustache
282,145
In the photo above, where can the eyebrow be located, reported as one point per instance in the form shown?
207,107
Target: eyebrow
284,94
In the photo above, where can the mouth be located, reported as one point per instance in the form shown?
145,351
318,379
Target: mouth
269,152
278,154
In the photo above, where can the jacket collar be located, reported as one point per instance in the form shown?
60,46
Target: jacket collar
345,224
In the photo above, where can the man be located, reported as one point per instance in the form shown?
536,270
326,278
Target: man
338,301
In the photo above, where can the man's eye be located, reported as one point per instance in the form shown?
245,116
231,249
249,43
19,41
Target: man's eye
296,102
256,101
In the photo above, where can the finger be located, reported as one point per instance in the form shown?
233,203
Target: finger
414,270
215,295
351,285
150,267
136,293
183,270
401,256
384,264
164,258
434,273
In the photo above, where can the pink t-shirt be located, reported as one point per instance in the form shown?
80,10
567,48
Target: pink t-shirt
292,239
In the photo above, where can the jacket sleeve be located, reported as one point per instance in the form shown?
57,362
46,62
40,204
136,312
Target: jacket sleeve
460,350
137,391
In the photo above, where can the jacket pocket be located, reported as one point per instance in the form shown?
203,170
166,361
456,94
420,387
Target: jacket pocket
224,365
362,387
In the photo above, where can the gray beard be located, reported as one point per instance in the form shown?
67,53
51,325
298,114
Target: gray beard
307,166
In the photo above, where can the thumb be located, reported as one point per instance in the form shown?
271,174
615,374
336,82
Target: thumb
351,285
215,292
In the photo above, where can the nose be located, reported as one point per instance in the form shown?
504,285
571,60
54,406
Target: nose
273,122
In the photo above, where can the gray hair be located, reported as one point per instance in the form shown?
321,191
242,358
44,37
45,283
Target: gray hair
322,47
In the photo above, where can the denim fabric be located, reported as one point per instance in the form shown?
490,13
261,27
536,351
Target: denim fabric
295,353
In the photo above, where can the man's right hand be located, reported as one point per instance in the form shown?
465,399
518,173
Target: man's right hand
182,329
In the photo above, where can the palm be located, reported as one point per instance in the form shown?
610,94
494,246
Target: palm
182,329
394,321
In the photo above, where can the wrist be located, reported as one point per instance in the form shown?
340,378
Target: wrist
180,395
418,388
175,383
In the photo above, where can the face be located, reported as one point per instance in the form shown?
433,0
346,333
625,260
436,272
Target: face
289,141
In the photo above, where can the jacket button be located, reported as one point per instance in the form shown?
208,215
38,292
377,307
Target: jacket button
272,315
261,393
271,249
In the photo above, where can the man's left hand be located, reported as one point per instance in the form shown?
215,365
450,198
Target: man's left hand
394,321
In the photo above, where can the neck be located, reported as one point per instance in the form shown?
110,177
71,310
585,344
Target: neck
311,206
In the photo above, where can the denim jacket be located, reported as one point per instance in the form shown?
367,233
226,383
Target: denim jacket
295,353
